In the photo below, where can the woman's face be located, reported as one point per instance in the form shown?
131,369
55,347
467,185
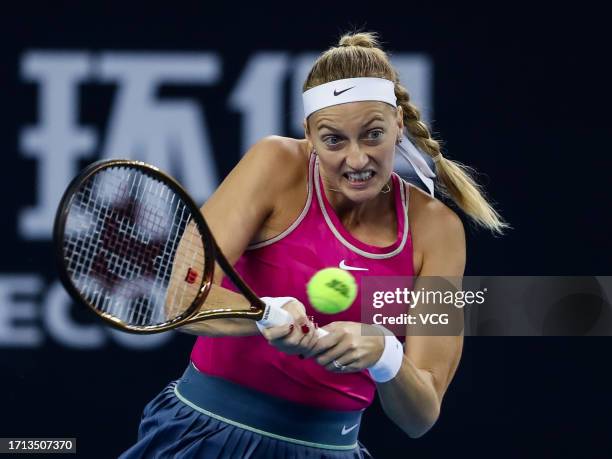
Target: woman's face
356,146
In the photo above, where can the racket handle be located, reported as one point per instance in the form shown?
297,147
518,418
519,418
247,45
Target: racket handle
274,315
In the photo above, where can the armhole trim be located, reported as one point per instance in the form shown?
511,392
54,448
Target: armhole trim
406,196
298,220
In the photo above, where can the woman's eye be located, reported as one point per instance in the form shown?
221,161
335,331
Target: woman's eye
331,140
375,134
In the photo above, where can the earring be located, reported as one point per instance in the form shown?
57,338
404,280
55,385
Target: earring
386,188
398,141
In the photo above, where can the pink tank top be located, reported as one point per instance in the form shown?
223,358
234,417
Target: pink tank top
282,266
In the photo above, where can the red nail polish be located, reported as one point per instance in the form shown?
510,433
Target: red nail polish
305,329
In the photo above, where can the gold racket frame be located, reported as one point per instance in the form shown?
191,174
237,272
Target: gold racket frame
212,253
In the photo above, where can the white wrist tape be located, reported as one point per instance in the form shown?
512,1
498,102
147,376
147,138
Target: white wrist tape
274,315
387,367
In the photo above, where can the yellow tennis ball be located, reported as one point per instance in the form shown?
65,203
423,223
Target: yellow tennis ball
331,290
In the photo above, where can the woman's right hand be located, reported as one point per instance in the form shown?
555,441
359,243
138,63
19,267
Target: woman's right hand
294,338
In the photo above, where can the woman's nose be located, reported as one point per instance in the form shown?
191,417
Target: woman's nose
357,157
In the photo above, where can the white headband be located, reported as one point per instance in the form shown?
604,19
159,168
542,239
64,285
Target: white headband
348,90
367,89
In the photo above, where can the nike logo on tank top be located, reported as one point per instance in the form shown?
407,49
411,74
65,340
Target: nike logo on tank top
282,266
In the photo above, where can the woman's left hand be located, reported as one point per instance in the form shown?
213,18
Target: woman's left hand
349,347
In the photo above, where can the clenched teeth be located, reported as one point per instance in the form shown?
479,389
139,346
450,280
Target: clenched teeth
359,176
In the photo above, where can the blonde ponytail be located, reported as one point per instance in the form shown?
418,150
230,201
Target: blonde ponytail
458,182
455,179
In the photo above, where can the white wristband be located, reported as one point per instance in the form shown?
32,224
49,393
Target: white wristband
274,314
387,367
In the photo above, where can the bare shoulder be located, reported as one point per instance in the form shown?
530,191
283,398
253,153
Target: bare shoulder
427,211
278,145
435,228
281,159
261,182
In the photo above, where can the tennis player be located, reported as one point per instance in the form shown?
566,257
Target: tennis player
290,208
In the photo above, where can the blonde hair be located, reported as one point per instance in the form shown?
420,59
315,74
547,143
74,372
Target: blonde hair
360,55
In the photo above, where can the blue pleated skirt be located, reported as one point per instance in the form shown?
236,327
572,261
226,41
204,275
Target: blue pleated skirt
177,426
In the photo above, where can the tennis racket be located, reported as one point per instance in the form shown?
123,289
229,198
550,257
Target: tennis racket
132,246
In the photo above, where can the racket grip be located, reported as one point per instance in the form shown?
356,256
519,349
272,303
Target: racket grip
274,315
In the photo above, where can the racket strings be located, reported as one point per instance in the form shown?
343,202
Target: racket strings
123,234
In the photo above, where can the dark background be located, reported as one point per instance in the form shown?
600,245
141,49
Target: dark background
520,94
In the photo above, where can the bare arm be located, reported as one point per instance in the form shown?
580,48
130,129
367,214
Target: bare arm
235,213
413,398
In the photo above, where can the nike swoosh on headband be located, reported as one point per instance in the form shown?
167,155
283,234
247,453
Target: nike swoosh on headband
345,430
337,93
344,266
